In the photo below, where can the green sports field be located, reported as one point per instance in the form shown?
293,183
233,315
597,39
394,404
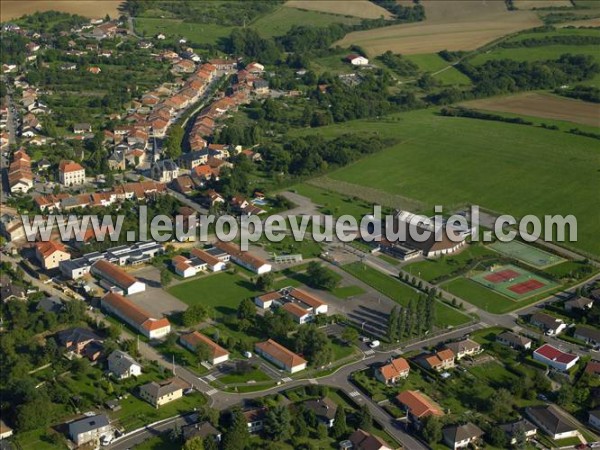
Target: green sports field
513,282
527,254
452,161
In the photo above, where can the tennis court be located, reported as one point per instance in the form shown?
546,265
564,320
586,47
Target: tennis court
528,254
513,282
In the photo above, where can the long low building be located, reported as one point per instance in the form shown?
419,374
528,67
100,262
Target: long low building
191,341
116,279
555,358
135,316
244,259
280,356
134,254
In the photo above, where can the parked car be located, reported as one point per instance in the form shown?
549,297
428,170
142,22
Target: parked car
374,344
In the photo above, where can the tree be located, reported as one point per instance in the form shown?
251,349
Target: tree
265,282
247,310
237,434
194,315
320,277
565,395
165,277
364,418
340,427
501,404
203,351
350,334
195,443
393,324
173,142
432,430
497,437
278,423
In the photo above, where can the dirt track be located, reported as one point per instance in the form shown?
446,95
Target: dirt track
542,105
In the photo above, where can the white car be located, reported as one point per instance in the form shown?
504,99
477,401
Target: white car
374,344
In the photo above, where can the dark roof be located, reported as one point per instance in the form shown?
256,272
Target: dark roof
588,333
462,432
166,164
87,424
548,417
200,429
579,302
511,428
76,335
323,407
50,304
514,338
9,291
546,320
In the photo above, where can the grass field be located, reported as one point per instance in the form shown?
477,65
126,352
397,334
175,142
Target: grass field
440,69
402,293
281,20
432,269
358,8
453,161
527,254
519,285
198,33
542,105
456,25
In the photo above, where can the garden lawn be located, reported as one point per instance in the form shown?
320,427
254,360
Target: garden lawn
452,161
223,291
347,291
402,293
254,375
174,29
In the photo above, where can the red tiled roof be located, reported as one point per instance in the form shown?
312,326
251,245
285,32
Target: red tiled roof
47,248
133,312
115,273
234,250
418,404
394,368
195,338
305,297
280,353
555,354
69,166
206,257
295,309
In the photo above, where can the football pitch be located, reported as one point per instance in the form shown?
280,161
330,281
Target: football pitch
528,254
513,282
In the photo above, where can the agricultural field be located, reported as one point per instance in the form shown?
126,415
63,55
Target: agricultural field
174,29
480,162
357,8
281,20
440,69
461,25
12,9
543,105
533,4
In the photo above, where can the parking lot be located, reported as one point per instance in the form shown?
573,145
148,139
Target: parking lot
154,299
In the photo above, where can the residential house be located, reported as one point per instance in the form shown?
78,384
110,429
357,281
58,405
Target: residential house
121,365
192,340
390,373
587,334
552,421
514,340
464,347
89,429
135,316
184,184
50,305
162,392
255,419
5,432
357,60
51,253
80,341
190,160
593,368
438,361
280,356
202,430
461,436
551,325
594,419
363,440
324,409
244,259
418,406
70,173
116,278
117,161
10,291
80,128
555,358
523,426
20,177
164,171
579,304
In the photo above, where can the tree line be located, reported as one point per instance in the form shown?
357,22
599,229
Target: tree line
414,320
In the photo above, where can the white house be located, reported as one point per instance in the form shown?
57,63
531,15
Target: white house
552,421
555,358
122,366
357,60
89,429
461,436
70,173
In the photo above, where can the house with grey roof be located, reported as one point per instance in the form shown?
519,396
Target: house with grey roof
461,436
50,304
324,409
587,334
201,430
579,304
89,429
164,171
513,430
162,392
514,340
552,421
121,365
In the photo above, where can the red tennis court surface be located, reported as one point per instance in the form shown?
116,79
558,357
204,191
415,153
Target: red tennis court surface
503,275
526,286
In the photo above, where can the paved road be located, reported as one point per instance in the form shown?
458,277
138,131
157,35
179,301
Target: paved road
137,437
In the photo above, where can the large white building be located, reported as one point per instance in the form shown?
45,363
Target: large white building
70,173
244,259
555,358
116,279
